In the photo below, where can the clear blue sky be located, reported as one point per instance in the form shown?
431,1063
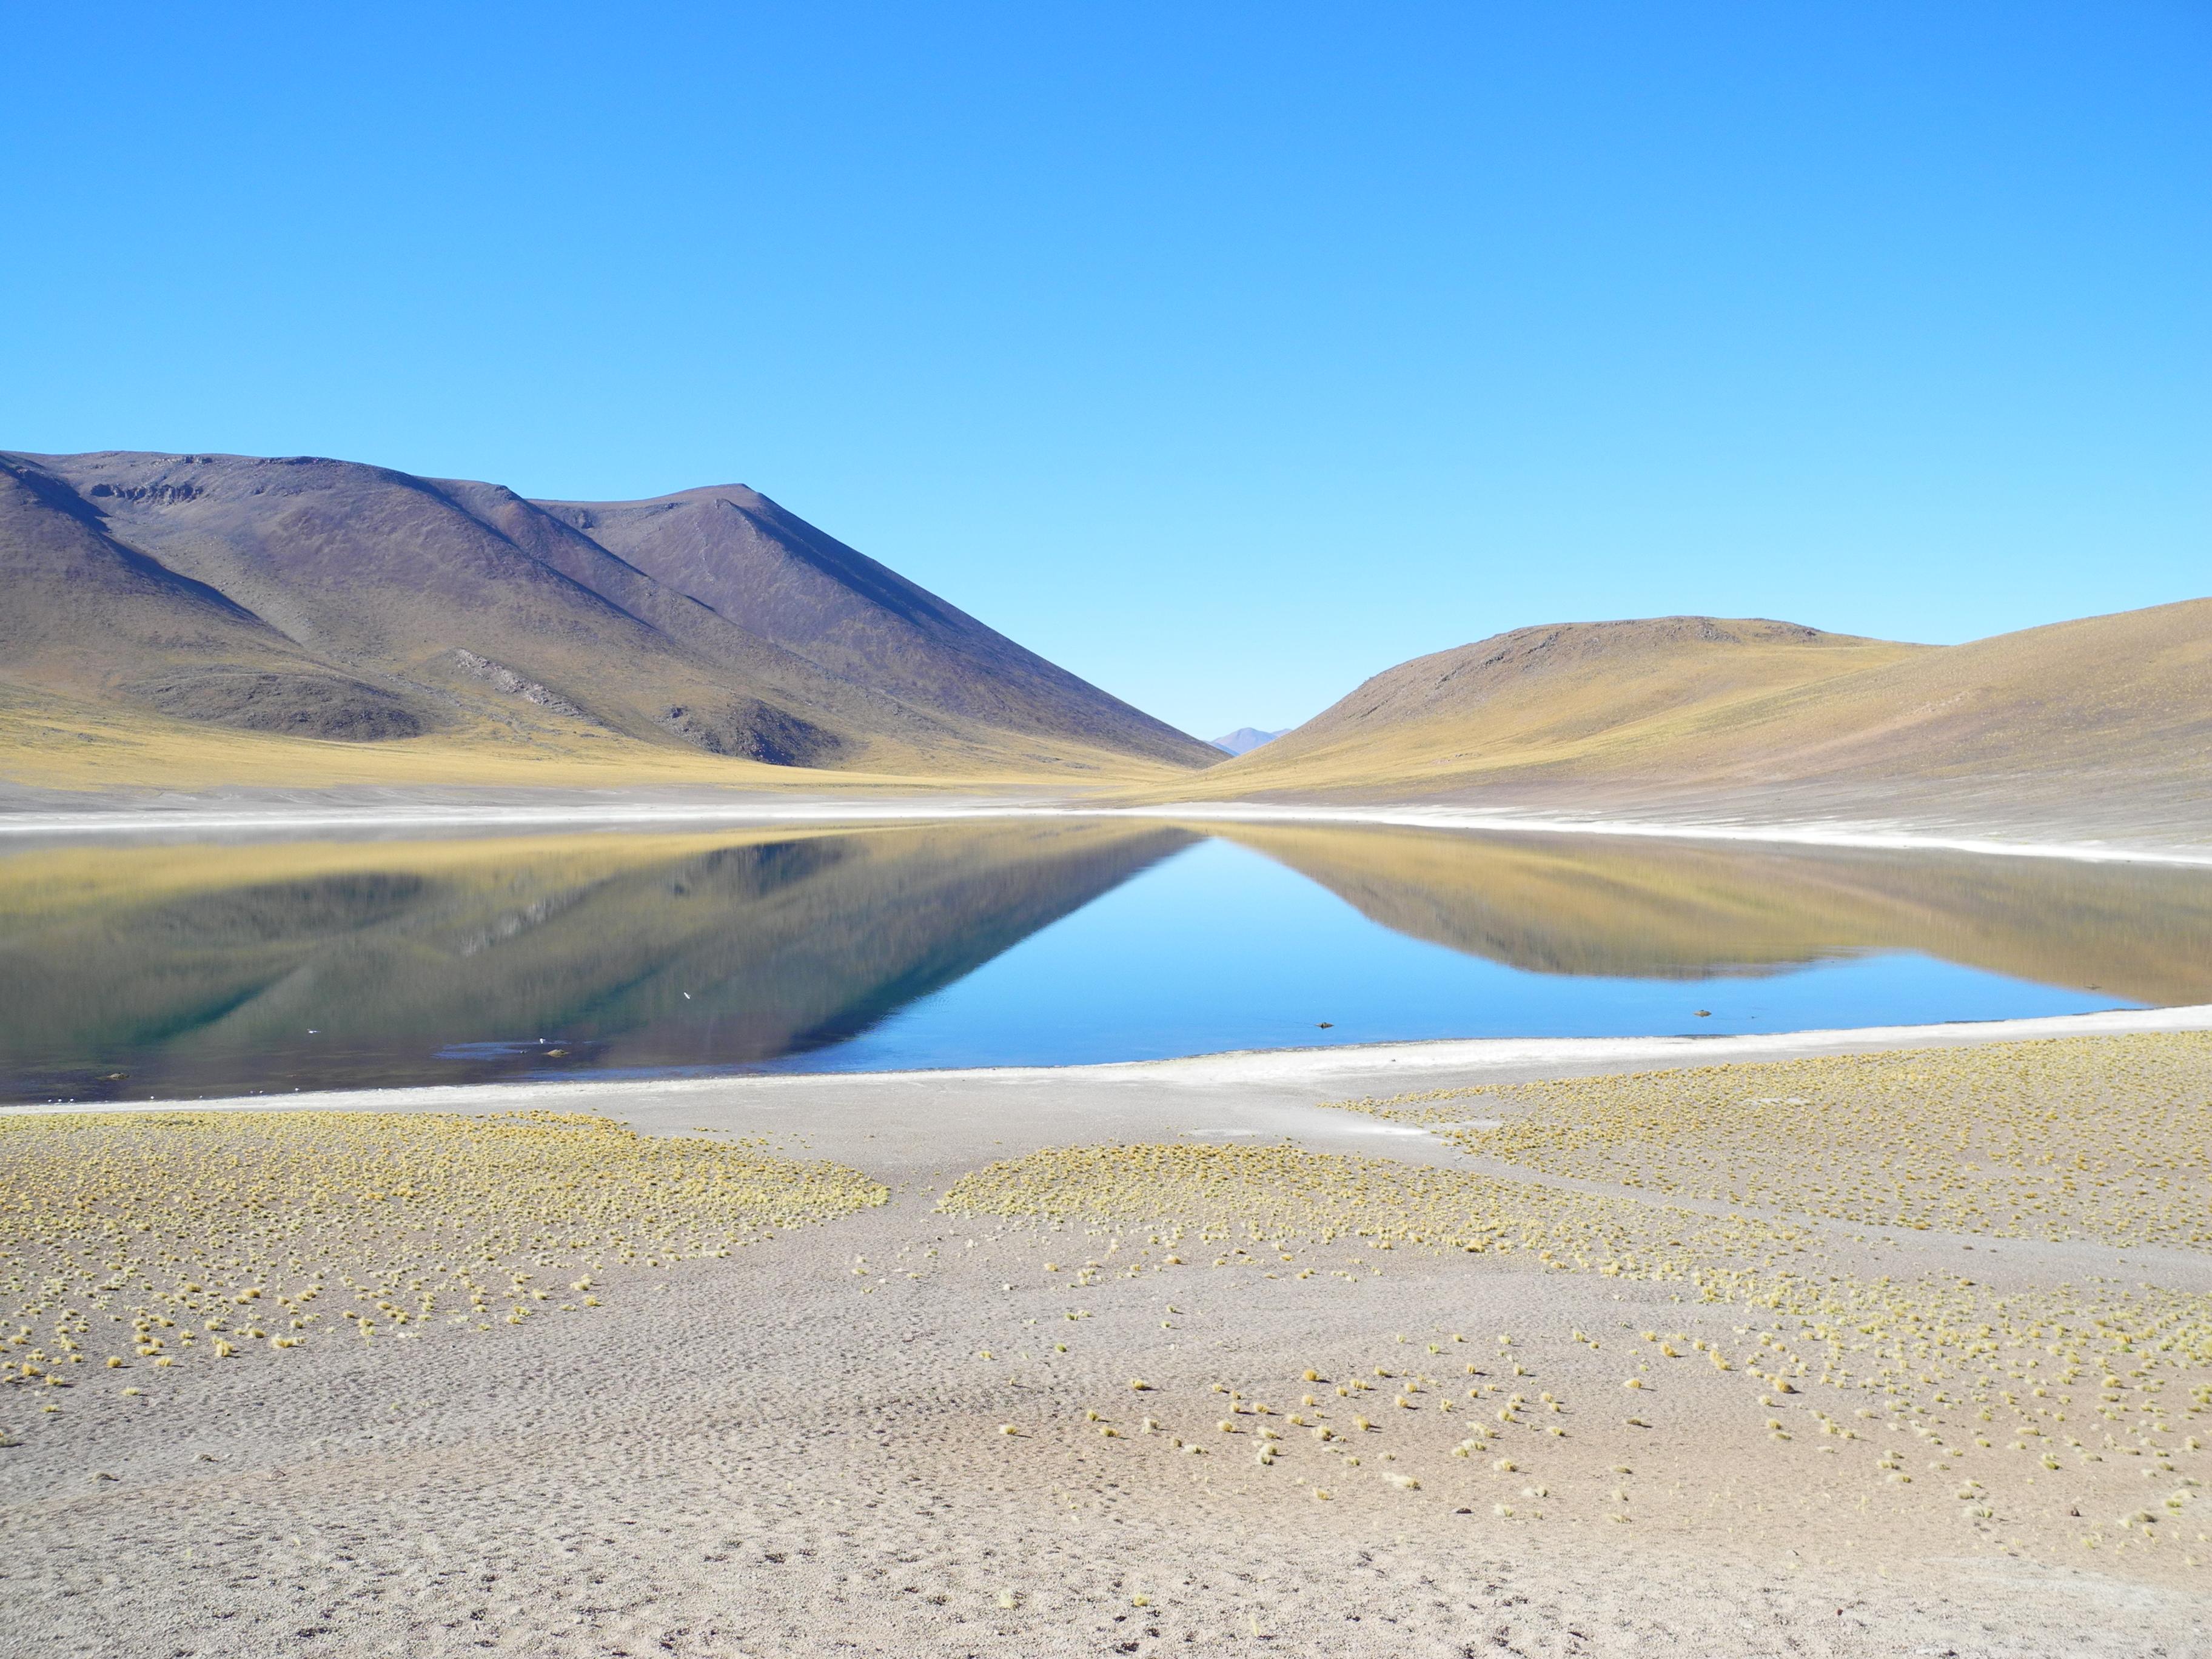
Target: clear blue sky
1225,354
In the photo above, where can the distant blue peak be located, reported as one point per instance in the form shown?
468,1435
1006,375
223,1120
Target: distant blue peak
1245,738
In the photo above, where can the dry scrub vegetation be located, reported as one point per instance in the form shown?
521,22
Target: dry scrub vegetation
2038,1410
2107,1139
1271,1193
148,1239
1846,1330
1469,1350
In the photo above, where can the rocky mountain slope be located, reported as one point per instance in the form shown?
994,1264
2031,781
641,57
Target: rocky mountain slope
324,599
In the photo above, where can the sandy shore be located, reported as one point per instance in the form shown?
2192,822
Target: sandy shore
797,1448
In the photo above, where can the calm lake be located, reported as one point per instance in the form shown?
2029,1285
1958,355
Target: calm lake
139,971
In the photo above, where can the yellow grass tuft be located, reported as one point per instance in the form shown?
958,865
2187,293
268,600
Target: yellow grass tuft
122,1226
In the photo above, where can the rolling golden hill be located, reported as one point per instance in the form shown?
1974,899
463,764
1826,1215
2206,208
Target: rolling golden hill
2105,721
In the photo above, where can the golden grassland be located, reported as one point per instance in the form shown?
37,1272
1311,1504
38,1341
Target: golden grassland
2107,1139
139,1239
1637,711
1609,713
52,741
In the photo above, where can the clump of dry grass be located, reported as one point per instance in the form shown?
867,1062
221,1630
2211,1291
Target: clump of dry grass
146,1237
2106,1139
1279,1193
2023,1382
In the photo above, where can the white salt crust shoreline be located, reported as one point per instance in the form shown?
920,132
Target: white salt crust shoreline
1864,836
1877,836
1352,1069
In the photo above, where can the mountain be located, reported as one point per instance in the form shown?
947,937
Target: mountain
2101,722
324,599
743,556
1547,698
1245,738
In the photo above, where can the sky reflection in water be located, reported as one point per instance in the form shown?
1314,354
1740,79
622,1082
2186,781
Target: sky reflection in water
148,971
1219,948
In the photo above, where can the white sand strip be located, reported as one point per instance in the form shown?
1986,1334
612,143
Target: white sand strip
1879,836
590,814
1250,1077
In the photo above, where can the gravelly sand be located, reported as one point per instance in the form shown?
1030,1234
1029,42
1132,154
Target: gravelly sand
777,1454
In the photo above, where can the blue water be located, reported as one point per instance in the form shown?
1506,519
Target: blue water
1056,943
1219,947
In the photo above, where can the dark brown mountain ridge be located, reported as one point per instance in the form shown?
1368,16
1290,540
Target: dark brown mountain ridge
335,600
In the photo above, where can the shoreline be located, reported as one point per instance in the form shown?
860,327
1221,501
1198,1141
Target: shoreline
1867,837
1259,1070
1877,836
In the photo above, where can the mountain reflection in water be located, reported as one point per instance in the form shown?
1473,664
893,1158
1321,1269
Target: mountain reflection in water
1590,905
155,971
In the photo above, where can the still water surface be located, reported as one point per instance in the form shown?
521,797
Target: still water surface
159,971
